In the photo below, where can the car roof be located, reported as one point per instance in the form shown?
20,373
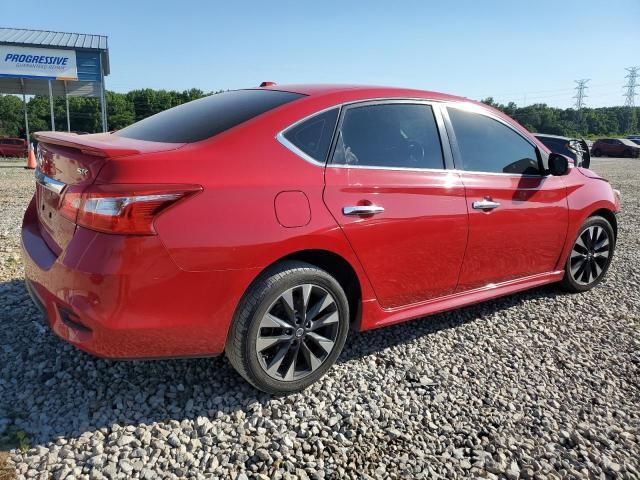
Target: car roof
330,94
365,91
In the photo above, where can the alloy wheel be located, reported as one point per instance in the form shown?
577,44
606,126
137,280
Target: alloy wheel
590,255
298,332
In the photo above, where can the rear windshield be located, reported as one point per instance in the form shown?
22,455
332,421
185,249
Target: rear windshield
206,117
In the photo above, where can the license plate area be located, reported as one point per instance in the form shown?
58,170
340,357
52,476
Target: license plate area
57,230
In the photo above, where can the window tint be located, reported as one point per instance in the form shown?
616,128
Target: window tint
313,136
486,145
391,135
206,117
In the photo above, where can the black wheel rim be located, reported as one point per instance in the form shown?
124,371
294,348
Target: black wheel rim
590,255
298,332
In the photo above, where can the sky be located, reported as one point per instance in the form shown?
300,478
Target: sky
525,52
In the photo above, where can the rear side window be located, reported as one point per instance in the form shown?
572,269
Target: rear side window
206,117
394,135
487,145
313,136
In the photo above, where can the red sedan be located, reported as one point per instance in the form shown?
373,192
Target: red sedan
265,223
13,147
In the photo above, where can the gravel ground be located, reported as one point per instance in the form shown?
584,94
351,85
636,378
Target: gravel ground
537,385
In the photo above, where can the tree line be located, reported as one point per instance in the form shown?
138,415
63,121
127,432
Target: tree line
122,109
569,122
126,108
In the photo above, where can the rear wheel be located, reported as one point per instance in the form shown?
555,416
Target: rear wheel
590,255
289,328
597,152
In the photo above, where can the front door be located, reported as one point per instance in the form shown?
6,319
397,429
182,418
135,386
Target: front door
403,213
518,217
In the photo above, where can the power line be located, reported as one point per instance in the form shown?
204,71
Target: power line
580,92
632,84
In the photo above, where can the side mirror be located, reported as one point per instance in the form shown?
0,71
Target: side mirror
558,164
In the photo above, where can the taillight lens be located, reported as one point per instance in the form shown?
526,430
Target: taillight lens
123,209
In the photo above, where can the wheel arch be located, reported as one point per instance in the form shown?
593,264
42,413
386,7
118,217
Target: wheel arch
336,266
608,215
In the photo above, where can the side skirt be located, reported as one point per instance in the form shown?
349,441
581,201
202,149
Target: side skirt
373,316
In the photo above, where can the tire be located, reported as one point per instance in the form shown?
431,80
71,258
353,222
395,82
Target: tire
587,263
627,154
597,153
265,312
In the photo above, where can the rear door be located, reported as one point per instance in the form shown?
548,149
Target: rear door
518,216
402,211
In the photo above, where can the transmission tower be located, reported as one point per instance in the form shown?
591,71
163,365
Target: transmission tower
580,93
632,84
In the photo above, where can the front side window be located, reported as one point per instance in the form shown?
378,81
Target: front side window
313,136
487,145
394,135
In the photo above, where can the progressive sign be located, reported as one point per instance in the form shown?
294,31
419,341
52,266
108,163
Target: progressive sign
48,63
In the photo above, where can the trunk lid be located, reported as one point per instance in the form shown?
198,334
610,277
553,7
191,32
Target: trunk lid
69,163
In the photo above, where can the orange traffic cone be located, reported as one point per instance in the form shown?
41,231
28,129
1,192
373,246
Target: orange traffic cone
31,158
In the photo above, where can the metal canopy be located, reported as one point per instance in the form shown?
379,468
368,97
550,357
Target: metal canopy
91,65
45,38
41,87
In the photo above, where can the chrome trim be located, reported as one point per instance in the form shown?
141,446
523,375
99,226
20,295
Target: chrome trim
290,146
447,157
287,144
447,140
485,204
373,101
362,210
440,170
49,183
408,169
519,175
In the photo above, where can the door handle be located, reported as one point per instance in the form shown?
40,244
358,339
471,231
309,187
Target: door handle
485,204
362,210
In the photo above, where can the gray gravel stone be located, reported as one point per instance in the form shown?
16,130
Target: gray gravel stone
539,385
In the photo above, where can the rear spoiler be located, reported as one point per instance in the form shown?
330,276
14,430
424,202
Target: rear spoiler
104,145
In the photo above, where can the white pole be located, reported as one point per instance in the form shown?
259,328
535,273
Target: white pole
66,101
103,99
26,114
53,120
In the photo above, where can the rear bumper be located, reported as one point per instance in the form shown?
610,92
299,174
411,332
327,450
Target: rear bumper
123,297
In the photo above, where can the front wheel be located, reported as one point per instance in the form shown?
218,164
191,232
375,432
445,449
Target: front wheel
590,255
289,328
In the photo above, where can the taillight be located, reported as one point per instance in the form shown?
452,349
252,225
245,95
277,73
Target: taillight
123,209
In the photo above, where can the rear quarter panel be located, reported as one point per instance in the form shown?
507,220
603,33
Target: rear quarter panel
232,224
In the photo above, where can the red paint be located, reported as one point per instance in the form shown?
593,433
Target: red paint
13,147
523,237
292,209
174,291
